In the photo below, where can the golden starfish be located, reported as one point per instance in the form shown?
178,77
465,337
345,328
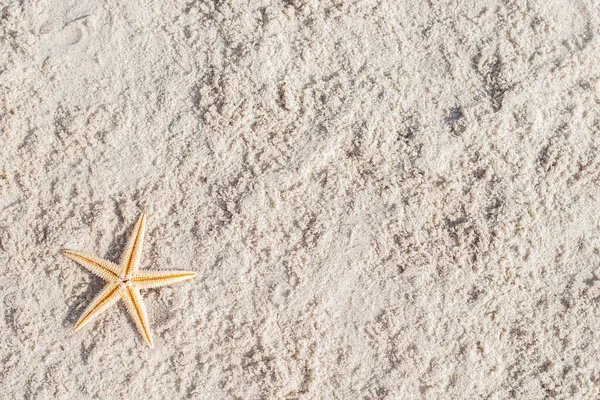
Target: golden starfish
124,281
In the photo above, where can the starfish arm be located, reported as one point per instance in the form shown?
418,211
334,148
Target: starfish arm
137,310
131,255
152,279
106,298
102,268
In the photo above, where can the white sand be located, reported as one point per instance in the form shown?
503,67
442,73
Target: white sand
381,200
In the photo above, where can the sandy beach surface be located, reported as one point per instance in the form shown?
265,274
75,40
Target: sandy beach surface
381,199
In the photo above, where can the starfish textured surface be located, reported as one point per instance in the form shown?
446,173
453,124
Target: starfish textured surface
124,281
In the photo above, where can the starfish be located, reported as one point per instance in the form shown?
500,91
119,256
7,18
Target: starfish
124,281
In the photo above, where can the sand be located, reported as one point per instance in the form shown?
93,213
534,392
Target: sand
381,199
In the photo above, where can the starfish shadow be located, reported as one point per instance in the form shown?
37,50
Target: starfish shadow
117,245
78,303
